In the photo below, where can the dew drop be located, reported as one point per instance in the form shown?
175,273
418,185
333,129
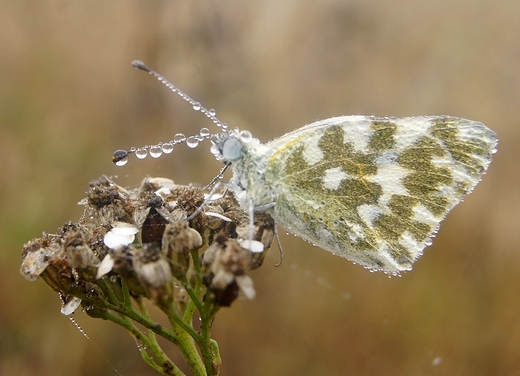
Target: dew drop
428,242
196,106
214,150
179,137
120,157
246,136
204,132
214,138
122,161
192,142
141,153
79,327
212,112
155,151
167,148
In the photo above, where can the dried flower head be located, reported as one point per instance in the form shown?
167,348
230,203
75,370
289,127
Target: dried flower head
75,259
162,242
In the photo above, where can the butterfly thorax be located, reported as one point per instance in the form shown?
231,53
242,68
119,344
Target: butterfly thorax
248,160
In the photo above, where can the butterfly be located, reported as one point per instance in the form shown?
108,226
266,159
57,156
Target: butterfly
371,190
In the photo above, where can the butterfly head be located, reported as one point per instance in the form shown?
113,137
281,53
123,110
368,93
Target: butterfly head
228,146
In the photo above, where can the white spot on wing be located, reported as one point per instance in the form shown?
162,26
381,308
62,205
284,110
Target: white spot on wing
411,245
387,158
312,153
409,130
421,214
333,178
358,134
389,260
389,178
369,213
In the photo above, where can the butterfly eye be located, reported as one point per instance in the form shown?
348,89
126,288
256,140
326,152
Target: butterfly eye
232,149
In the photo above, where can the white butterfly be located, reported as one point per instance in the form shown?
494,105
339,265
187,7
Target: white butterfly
372,190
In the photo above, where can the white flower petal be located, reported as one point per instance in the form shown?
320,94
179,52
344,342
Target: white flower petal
253,245
114,241
105,266
123,228
70,306
245,284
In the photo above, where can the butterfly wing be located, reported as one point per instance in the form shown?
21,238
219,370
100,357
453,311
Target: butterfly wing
375,190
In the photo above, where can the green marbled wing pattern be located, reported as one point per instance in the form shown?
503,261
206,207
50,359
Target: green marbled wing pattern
375,190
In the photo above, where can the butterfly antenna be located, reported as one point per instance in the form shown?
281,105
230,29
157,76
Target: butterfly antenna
120,157
210,114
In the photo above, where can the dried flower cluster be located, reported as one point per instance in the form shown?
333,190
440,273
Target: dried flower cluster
180,265
70,260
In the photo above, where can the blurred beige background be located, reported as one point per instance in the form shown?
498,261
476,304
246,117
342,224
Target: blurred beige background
69,98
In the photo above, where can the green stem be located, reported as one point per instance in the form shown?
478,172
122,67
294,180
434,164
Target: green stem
209,347
182,333
178,335
193,303
216,353
185,341
166,366
151,334
108,289
175,319
195,292
150,361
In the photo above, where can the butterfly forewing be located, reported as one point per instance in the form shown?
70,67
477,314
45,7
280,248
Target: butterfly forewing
374,190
